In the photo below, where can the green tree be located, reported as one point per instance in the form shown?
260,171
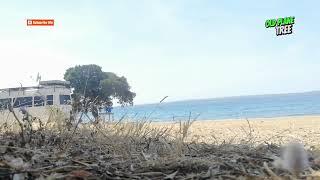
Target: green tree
91,82
85,79
115,87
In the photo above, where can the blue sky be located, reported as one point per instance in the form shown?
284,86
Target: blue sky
180,49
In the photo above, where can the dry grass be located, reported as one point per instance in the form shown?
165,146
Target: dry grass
59,149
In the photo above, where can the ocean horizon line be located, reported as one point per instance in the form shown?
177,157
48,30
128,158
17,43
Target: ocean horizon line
226,97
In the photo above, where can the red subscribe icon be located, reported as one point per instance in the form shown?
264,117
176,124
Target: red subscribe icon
40,22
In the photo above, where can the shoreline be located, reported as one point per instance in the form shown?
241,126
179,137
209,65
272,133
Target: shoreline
262,118
277,118
238,119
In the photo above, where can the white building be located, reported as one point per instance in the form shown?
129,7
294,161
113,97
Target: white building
37,99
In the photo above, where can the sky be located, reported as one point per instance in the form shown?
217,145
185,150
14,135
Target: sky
178,48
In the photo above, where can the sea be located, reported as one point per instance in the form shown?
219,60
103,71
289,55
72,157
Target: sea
242,107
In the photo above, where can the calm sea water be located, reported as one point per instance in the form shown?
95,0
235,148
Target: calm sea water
227,108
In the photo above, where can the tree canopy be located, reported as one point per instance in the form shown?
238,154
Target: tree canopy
91,82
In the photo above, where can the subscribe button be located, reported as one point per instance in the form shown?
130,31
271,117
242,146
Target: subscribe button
40,22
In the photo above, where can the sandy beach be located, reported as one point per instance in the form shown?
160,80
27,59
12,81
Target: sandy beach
258,130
